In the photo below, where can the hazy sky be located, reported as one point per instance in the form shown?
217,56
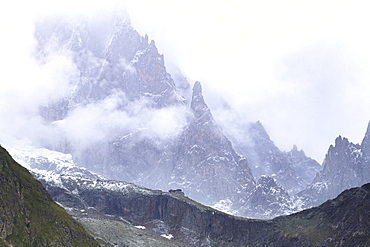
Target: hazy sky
300,67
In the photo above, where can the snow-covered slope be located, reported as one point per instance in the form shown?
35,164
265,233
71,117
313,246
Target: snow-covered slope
49,163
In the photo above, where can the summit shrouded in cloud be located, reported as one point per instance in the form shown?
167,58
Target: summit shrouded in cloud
298,66
95,85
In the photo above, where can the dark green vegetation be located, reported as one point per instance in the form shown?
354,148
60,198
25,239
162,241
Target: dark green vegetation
29,216
344,221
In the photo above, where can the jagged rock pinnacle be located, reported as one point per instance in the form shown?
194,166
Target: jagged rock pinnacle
197,97
198,105
365,144
197,89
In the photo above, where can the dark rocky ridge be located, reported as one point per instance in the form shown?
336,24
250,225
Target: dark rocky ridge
94,200
29,216
342,221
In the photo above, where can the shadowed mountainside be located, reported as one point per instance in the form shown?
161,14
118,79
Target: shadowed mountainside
343,221
29,216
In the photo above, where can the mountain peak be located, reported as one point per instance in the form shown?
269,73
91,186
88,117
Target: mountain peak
296,152
260,129
197,88
198,105
365,144
197,97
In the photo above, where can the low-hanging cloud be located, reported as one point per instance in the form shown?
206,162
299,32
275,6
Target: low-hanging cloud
35,78
27,83
107,120
318,79
239,64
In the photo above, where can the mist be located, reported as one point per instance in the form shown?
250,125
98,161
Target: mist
28,83
106,121
299,67
35,79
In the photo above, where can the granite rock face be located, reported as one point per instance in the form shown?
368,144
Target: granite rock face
179,221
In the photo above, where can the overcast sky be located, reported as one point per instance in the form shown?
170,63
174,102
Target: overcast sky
300,67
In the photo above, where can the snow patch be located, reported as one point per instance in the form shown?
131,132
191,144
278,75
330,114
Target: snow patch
168,236
141,227
225,206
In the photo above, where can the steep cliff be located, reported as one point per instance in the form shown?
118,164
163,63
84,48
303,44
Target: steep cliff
29,216
344,220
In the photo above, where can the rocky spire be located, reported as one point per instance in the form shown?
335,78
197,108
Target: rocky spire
365,144
207,166
198,105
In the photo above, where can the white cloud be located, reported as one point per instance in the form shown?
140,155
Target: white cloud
106,120
236,48
26,83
